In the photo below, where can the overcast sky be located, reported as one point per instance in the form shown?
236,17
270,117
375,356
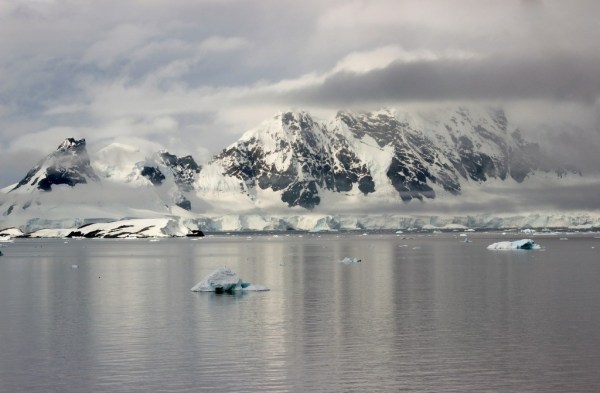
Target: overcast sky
193,75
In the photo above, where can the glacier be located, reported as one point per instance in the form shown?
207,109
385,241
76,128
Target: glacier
176,226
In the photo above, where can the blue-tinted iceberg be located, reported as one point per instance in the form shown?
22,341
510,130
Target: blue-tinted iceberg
225,280
524,244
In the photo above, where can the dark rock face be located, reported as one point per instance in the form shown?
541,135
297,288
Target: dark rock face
306,159
184,169
413,154
9,210
184,204
195,233
55,175
419,160
69,164
153,174
301,157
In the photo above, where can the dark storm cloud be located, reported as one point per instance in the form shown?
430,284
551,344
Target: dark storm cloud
558,77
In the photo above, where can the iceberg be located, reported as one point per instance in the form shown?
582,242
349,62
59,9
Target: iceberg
225,280
347,260
524,244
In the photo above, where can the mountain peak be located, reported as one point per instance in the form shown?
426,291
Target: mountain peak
72,145
69,164
296,120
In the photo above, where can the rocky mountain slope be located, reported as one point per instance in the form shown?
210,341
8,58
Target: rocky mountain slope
383,153
69,164
116,181
353,163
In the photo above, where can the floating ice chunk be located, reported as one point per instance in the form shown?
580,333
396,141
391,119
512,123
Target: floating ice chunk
74,266
347,260
524,244
225,280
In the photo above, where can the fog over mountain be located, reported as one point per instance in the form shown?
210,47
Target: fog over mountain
462,161
192,77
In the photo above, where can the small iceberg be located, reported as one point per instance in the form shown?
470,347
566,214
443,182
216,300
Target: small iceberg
225,280
524,244
348,261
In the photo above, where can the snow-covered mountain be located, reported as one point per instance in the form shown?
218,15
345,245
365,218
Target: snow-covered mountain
172,177
71,187
289,167
69,164
382,156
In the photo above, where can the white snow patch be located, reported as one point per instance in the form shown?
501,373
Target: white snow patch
52,232
10,233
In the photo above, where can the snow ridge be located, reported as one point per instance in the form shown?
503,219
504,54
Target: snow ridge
388,154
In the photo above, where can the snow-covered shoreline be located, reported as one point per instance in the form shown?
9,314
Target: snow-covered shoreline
181,227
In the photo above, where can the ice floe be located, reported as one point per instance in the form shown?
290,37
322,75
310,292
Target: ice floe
225,280
348,260
523,244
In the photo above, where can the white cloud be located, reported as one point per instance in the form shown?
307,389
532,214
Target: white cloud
381,57
222,44
118,43
164,123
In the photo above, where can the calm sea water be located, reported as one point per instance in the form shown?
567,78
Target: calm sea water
421,314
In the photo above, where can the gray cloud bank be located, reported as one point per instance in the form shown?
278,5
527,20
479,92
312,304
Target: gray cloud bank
193,75
561,78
